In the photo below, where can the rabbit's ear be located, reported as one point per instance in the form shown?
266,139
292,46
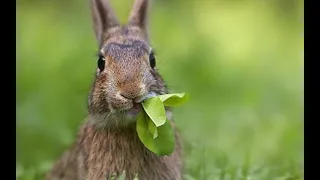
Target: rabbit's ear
138,15
103,18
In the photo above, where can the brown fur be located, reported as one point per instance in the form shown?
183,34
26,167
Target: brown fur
108,143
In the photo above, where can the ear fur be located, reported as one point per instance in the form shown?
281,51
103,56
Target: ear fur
103,18
139,14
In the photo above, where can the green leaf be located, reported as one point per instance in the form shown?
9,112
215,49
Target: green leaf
155,110
113,176
174,99
122,176
153,129
136,177
163,144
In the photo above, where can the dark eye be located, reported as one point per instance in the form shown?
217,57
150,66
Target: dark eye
101,63
152,60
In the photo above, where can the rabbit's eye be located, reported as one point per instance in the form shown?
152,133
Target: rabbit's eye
152,60
101,63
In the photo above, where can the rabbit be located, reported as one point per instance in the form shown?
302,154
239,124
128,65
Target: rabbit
126,74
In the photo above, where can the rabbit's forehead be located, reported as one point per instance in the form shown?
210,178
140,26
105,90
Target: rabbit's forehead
128,49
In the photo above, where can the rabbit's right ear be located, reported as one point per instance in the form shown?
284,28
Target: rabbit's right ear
103,19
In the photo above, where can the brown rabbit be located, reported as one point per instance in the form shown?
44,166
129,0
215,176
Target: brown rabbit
108,143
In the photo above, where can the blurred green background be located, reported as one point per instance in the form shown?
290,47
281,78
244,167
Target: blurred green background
240,61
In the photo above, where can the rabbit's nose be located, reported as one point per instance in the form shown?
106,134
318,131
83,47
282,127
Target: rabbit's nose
131,94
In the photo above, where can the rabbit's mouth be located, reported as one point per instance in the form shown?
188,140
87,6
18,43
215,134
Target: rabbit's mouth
147,96
137,106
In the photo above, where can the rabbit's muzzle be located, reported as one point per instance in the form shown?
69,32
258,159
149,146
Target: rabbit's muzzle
129,100
126,96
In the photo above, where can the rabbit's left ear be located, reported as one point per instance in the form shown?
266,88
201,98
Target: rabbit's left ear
139,13
103,18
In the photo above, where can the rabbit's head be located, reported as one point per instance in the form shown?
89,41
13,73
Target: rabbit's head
126,65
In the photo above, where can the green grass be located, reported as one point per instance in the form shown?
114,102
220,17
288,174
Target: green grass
241,64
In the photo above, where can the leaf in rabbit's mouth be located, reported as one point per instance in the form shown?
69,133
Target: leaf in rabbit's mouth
153,127
137,105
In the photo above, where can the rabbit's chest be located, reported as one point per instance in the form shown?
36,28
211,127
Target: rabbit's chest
105,153
143,168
